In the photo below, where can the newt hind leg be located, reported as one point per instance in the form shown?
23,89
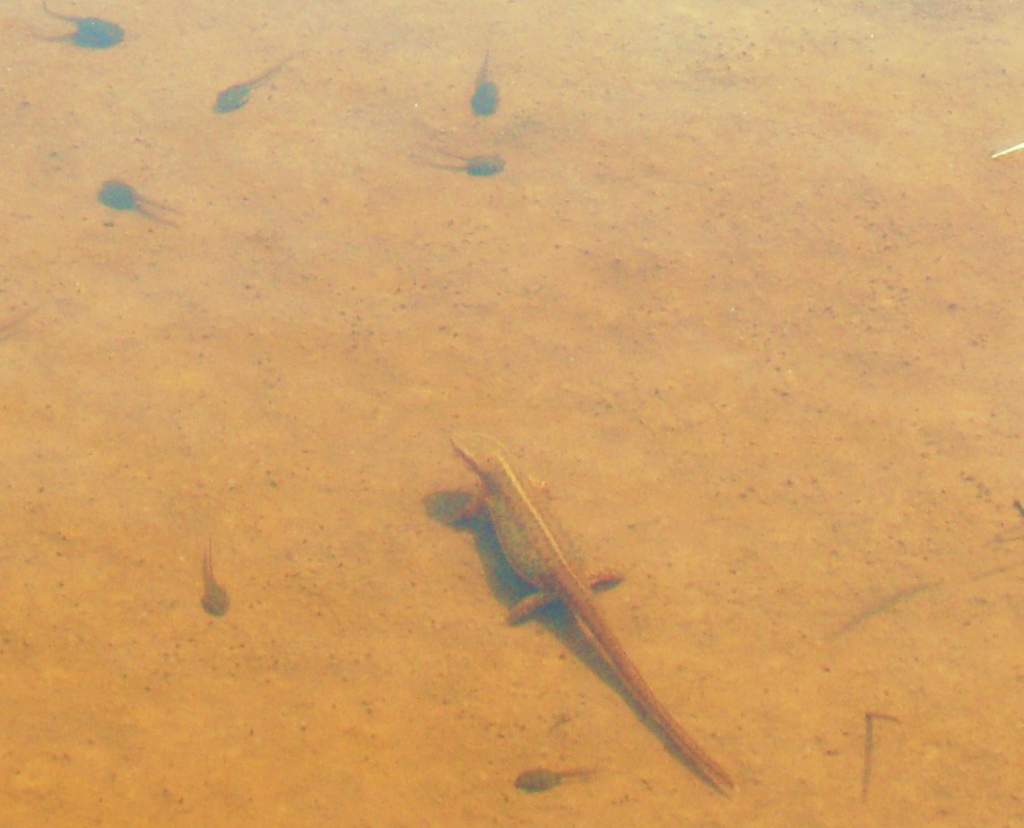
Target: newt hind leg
527,606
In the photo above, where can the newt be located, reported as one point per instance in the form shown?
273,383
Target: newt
540,558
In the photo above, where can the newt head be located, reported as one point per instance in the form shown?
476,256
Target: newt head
478,451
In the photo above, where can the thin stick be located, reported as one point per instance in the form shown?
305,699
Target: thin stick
886,603
869,748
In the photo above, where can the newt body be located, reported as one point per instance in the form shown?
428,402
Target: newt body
553,567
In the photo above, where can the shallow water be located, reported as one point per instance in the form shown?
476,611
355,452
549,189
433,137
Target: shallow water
745,297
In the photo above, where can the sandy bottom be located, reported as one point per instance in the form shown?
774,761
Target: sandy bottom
746,296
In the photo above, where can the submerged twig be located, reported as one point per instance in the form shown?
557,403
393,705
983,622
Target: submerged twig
869,748
885,604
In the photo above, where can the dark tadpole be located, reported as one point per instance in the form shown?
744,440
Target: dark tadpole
536,780
481,166
237,96
215,598
485,96
120,196
90,32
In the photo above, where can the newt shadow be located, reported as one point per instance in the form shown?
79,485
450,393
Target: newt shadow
446,508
